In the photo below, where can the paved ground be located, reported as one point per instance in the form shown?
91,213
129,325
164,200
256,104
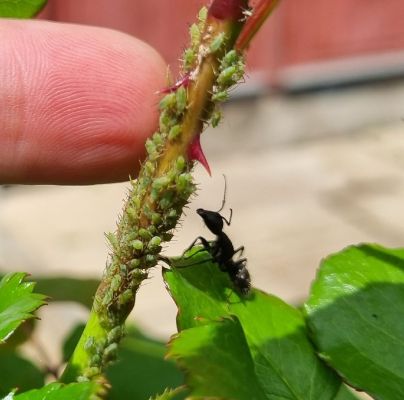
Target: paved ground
307,175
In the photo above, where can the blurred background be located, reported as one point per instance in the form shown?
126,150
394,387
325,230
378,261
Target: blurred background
312,145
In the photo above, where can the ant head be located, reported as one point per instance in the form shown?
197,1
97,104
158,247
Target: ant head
213,220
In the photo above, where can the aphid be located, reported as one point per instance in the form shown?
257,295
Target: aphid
221,96
174,132
222,250
217,42
195,35
228,76
181,97
189,58
215,118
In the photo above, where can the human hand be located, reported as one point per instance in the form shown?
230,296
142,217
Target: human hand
76,102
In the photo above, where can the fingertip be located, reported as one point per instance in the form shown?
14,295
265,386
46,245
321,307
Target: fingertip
78,102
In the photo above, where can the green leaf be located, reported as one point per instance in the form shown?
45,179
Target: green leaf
58,391
345,394
16,371
284,361
226,357
17,303
21,8
355,313
141,370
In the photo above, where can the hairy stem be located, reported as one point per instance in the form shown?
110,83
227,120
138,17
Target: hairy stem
164,185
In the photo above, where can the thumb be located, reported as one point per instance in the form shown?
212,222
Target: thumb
76,102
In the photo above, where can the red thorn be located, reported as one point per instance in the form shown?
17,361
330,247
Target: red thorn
195,152
228,9
185,81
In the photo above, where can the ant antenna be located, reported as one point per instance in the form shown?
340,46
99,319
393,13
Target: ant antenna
224,201
224,194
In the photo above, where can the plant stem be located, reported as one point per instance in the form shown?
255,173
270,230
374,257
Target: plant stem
163,187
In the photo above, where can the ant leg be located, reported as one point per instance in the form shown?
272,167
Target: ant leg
239,250
205,244
194,243
225,220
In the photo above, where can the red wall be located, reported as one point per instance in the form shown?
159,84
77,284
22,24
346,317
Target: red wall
300,31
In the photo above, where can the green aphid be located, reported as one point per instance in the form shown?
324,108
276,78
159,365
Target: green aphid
217,43
195,34
137,245
132,235
135,202
132,213
231,58
134,263
183,182
108,295
95,360
89,344
123,270
154,195
110,352
150,147
228,76
161,183
165,203
180,164
150,260
157,139
168,102
156,218
126,297
203,15
165,121
175,131
216,118
152,229
116,282
149,167
147,211
90,372
221,96
189,58
171,175
144,234
154,242
114,335
181,98
172,214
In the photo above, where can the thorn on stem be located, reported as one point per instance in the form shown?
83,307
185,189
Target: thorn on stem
185,81
195,152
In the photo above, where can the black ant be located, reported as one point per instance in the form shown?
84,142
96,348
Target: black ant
222,249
